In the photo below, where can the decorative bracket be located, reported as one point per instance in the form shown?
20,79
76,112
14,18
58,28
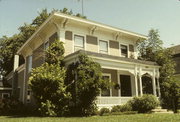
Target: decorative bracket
93,29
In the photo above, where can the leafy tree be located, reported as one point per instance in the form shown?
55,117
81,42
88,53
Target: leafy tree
47,83
85,80
152,50
10,45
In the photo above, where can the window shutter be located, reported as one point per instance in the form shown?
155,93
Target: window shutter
114,44
68,35
91,40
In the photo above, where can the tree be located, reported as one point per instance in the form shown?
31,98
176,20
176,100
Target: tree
47,83
152,50
10,45
85,80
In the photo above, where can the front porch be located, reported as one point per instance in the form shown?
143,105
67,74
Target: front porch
125,86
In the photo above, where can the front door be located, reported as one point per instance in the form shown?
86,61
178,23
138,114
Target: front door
125,81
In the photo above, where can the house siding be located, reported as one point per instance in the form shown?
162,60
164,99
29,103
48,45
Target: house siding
114,48
20,84
92,43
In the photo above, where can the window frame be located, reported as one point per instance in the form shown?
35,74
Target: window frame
121,50
78,46
102,51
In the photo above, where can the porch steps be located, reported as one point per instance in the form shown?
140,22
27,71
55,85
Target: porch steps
160,110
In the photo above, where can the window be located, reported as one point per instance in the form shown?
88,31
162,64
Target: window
5,95
29,63
124,51
106,92
78,42
103,46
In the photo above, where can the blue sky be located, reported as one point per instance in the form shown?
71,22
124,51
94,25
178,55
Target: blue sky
133,15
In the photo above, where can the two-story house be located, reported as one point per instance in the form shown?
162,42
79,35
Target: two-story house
113,48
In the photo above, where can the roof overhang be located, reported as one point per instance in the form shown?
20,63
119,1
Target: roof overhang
85,22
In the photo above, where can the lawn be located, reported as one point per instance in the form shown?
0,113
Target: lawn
118,118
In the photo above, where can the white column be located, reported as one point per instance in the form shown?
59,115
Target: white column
154,83
159,92
16,62
62,35
135,80
140,84
136,85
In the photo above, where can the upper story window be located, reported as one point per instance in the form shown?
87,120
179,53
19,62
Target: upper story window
29,63
124,51
103,46
78,42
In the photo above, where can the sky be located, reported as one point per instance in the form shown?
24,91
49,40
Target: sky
134,15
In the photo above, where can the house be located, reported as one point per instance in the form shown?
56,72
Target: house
176,58
113,48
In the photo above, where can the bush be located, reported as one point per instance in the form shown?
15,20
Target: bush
11,106
144,104
121,108
104,111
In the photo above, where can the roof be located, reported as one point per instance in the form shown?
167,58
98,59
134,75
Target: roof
176,49
123,59
57,15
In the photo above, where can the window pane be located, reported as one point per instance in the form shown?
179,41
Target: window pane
79,41
103,46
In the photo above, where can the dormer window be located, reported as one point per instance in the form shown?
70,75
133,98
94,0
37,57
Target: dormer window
78,42
103,46
124,51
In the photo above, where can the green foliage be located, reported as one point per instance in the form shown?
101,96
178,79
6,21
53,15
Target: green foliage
144,104
10,106
104,111
10,45
152,50
55,53
47,83
121,108
85,77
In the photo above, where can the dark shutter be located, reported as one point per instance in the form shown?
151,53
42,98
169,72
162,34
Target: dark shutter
131,48
68,35
91,40
114,44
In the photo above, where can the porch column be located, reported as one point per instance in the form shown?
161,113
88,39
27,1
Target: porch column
158,86
140,84
154,83
136,86
16,62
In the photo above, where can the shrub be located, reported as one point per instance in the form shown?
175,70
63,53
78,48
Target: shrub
85,80
11,106
144,104
104,111
121,108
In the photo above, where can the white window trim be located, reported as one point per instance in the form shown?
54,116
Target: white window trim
109,75
5,94
127,49
78,34
108,52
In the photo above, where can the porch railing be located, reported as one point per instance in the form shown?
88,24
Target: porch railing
111,101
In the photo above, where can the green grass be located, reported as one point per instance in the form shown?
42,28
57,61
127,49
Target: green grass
118,118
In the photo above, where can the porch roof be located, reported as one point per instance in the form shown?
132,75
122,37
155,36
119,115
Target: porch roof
110,57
